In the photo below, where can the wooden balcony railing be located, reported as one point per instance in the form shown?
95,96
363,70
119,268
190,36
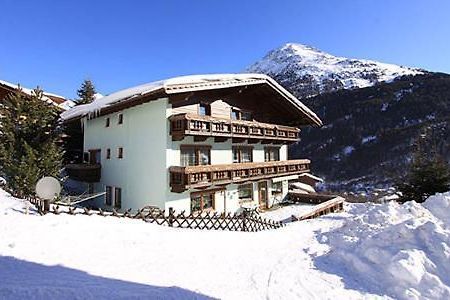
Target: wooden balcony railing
193,177
182,125
84,172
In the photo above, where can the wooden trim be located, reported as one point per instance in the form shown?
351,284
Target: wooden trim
204,176
185,124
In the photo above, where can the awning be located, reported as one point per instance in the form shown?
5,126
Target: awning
291,177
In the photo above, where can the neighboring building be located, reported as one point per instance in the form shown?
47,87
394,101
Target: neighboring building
204,142
59,101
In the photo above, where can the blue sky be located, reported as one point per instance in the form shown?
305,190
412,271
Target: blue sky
118,44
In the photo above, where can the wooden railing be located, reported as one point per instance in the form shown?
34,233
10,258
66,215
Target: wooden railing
182,125
84,172
191,177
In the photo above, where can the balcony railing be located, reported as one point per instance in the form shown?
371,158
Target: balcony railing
193,177
182,125
84,172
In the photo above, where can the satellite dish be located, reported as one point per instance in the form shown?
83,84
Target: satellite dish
48,188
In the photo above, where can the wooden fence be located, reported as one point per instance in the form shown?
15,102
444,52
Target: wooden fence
248,221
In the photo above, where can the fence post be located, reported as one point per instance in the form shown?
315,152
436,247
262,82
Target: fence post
244,218
171,216
46,206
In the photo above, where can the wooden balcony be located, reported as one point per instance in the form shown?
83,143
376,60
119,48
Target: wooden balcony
198,177
182,125
84,172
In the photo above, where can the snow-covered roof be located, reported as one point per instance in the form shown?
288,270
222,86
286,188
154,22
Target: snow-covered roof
311,176
50,98
188,84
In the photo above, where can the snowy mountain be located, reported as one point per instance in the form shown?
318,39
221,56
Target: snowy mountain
307,71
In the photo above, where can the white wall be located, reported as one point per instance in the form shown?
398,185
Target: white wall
149,152
143,135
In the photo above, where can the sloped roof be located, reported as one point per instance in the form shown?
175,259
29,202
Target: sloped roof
50,98
189,84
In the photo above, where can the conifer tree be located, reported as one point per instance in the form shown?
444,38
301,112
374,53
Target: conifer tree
428,173
86,92
29,141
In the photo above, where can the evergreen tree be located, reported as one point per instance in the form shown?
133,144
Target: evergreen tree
29,141
86,92
428,173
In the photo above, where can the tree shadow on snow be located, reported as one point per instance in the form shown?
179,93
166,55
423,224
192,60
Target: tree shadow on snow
27,280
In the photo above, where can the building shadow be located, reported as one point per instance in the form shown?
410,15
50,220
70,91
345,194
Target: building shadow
21,279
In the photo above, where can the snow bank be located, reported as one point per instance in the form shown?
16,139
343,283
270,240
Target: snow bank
398,250
371,252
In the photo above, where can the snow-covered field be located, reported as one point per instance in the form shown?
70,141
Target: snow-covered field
371,251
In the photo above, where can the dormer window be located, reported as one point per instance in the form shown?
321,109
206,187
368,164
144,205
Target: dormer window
204,109
238,114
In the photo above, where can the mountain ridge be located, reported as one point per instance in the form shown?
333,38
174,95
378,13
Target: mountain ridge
308,71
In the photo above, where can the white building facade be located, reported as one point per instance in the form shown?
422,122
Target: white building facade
191,143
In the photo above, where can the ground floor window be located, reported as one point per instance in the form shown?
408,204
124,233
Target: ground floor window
245,192
201,201
117,197
277,189
108,196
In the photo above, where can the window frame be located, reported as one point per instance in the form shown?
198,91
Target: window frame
120,152
269,150
207,107
240,112
243,200
240,149
117,191
197,150
108,153
201,194
108,195
120,119
277,192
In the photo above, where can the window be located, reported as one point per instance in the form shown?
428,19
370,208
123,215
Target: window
195,155
204,109
85,157
201,201
242,154
234,114
108,153
277,188
117,197
271,154
245,192
95,156
108,196
107,122
246,115
120,121
120,152
238,114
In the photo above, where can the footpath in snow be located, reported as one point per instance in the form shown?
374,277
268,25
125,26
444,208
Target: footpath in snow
371,251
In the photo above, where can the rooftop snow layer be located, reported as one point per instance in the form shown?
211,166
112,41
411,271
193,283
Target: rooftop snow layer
186,84
46,97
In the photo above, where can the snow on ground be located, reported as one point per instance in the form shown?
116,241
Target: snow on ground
284,213
372,251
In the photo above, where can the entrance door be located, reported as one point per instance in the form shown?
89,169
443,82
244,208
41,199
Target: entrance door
262,194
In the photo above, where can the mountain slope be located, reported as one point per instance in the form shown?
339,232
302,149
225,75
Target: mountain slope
369,132
307,71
